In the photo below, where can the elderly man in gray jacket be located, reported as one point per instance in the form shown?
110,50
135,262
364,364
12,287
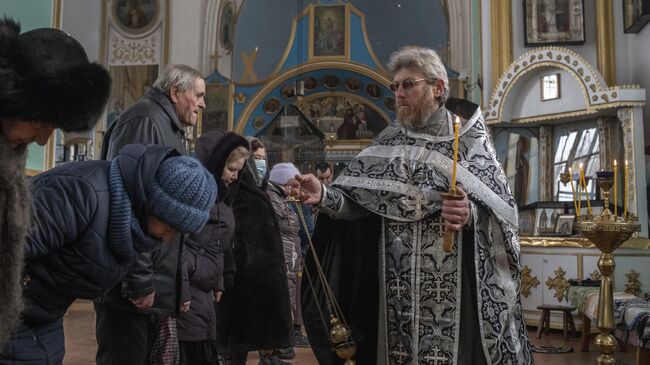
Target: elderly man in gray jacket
135,321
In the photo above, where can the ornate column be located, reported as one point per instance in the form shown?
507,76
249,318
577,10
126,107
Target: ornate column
605,45
626,117
501,34
546,163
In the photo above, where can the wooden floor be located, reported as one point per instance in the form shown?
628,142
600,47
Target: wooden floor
80,344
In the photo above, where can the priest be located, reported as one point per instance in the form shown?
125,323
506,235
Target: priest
405,298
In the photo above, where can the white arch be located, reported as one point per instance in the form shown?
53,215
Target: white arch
597,96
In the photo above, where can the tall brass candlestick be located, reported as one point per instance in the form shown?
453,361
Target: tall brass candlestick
607,234
452,195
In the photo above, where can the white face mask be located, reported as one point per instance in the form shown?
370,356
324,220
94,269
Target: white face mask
261,167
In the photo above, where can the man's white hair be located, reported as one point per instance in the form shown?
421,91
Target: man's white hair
423,60
181,76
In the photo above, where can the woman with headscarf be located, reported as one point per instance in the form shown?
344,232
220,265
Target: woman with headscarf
224,155
255,314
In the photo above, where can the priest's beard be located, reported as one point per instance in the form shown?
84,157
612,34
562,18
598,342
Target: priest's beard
413,116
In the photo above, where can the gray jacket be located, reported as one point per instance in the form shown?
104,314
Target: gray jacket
150,120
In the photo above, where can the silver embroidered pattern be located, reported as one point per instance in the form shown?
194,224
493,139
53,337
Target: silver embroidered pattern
422,282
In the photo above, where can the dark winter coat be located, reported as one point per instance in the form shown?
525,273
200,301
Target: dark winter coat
151,120
204,251
255,313
68,254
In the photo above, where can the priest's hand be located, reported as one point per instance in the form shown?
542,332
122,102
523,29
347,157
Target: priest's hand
455,213
306,188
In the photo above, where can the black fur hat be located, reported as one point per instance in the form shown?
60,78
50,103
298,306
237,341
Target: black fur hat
45,76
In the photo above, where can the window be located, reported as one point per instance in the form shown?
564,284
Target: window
574,148
550,85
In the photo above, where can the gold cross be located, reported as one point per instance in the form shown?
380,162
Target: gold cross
249,71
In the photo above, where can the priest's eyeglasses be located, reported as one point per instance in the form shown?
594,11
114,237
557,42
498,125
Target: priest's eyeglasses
406,84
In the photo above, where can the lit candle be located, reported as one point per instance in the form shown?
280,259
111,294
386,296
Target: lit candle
579,190
615,190
625,190
452,188
575,203
584,181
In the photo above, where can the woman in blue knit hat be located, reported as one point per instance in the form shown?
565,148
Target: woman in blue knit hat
89,220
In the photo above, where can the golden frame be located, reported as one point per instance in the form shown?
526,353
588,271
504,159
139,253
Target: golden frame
222,103
341,14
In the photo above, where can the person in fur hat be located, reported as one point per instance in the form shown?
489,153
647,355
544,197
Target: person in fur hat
46,82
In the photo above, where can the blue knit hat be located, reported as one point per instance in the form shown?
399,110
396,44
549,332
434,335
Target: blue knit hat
182,194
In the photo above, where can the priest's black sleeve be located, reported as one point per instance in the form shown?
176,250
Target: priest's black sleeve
348,253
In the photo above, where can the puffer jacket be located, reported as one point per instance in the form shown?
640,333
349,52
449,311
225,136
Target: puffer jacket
68,254
204,251
289,228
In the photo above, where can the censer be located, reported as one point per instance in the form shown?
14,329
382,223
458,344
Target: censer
339,333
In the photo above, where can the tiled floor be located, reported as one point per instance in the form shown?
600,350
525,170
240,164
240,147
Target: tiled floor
80,344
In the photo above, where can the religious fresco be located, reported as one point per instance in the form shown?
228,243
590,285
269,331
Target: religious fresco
353,84
344,118
135,16
267,25
329,31
518,152
227,27
217,104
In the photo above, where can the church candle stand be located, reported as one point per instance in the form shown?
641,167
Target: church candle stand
607,232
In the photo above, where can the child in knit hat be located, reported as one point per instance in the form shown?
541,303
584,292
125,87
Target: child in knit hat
89,220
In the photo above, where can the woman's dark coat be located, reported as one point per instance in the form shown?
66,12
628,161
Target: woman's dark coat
204,251
255,313
68,254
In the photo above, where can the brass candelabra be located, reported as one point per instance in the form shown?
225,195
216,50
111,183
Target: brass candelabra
607,232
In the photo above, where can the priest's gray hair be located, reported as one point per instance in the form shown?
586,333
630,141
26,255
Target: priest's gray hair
423,60
181,76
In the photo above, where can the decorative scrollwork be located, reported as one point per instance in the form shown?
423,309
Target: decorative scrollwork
140,52
633,285
559,283
595,275
528,281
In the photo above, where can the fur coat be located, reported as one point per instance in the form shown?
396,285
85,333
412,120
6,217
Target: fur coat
14,220
255,314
